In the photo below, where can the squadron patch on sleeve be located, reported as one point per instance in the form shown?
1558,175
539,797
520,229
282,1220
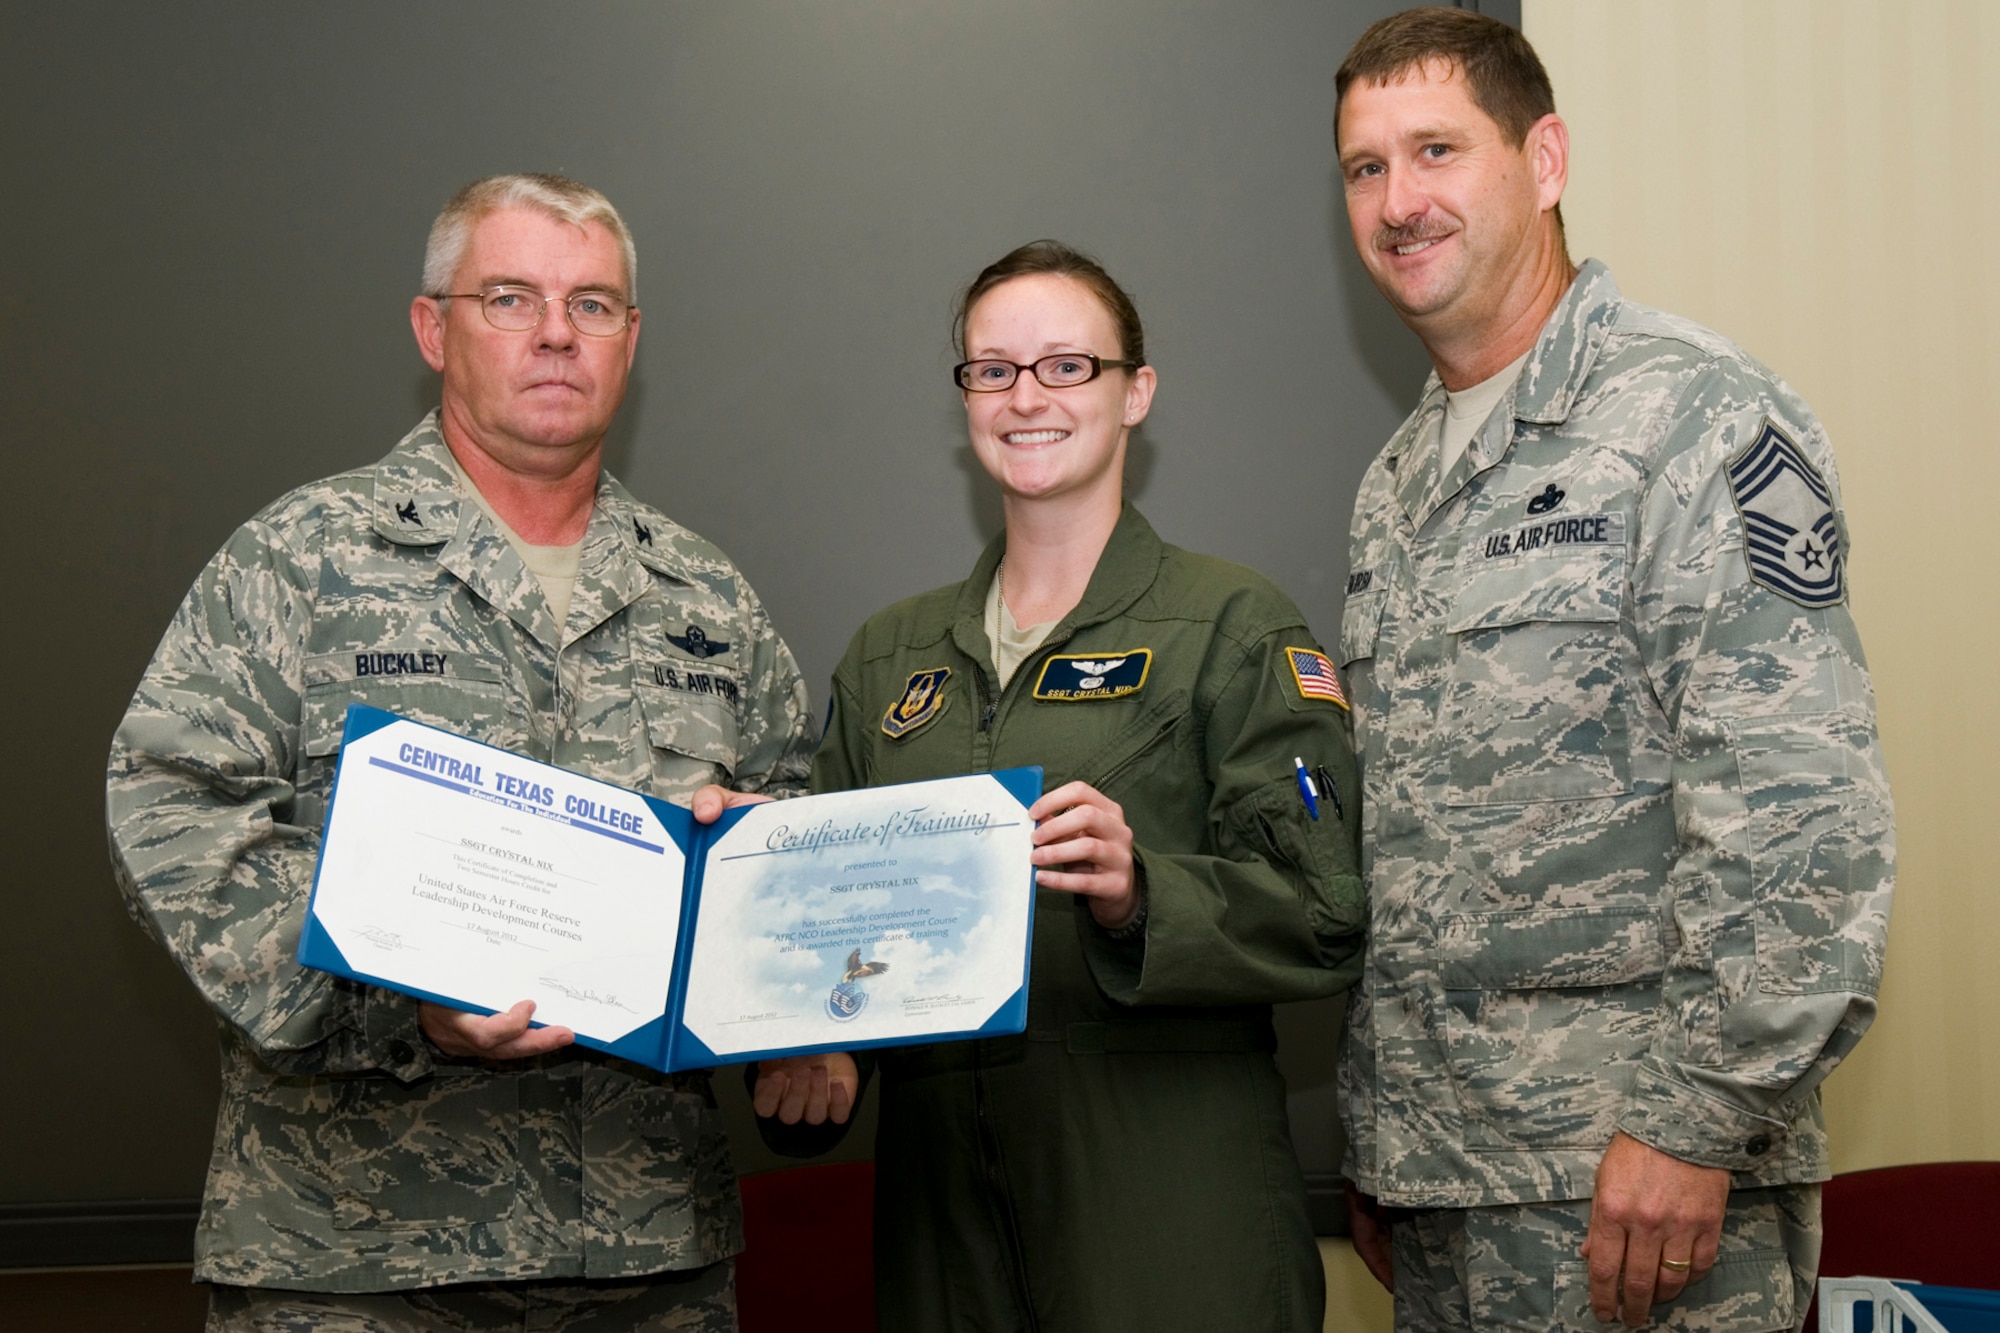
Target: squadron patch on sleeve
1789,531
1315,676
1094,675
922,697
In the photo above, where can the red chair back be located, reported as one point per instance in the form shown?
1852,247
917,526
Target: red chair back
808,1260
1936,1222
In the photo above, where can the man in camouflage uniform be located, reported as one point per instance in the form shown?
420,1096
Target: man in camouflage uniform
379,1163
1627,840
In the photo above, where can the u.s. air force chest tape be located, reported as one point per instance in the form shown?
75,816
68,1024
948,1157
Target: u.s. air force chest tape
1073,676
1551,535
1791,535
921,701
684,678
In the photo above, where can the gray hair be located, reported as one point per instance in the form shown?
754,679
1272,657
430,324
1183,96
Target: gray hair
557,197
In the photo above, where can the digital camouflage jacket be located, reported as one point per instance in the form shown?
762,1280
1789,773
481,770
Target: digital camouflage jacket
349,1155
1627,835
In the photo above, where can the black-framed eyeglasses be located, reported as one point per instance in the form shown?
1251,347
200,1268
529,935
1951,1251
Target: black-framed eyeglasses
518,309
1064,370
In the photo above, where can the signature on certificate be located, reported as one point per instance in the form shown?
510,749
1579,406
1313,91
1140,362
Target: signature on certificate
383,939
586,994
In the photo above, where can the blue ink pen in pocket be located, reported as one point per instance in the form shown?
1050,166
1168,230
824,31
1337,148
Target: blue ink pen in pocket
1306,792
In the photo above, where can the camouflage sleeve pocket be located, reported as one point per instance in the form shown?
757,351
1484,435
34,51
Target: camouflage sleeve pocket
1307,848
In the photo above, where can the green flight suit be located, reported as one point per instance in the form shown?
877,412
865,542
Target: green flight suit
1126,1163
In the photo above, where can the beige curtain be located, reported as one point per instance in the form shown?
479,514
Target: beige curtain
1821,182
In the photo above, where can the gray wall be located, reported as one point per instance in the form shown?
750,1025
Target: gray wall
212,231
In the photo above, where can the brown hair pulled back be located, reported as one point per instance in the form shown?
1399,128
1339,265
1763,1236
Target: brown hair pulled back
1053,257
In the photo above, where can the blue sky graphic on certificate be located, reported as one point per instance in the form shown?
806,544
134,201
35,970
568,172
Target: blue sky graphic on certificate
887,914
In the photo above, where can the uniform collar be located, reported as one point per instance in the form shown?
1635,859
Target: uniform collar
1545,393
1126,569
417,503
1569,347
416,498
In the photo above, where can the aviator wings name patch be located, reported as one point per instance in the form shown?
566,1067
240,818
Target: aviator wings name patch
1094,675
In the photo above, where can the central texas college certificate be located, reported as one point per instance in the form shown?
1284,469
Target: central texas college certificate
463,874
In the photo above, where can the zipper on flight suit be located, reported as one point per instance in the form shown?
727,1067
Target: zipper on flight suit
994,1165
993,1161
989,707
989,704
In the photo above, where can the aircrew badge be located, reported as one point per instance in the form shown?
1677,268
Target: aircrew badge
1315,676
1790,533
846,1000
1094,675
696,643
922,697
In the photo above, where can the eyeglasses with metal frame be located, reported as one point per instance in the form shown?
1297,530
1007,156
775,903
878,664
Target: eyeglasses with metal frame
1064,370
518,309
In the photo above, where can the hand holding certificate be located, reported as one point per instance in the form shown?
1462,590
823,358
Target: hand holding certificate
469,876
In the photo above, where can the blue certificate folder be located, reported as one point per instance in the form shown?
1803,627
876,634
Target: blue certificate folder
463,874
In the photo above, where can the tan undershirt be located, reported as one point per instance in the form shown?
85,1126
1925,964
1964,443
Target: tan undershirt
1012,644
1466,411
554,567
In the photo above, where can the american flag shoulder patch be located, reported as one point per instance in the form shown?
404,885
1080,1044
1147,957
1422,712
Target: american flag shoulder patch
1315,675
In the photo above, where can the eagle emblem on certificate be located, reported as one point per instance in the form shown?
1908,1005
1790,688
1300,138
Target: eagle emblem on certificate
846,1000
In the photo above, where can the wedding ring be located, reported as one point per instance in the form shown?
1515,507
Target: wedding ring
1677,1265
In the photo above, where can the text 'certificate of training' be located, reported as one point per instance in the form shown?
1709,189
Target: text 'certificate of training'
454,871
865,918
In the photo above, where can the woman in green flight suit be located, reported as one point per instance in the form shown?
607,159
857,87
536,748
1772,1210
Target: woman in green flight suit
1125,1163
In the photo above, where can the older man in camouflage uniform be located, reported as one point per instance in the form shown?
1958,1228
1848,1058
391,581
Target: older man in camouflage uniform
382,1164
1627,840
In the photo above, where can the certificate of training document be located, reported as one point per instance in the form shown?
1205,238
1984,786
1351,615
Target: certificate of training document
463,874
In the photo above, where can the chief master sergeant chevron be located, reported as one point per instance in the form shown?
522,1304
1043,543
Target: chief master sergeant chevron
1627,837
380,1163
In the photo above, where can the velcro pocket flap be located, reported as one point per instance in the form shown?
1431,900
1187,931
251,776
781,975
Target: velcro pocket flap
701,726
1550,947
1583,585
1361,625
457,691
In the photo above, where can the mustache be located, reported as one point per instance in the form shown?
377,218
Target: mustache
1410,233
